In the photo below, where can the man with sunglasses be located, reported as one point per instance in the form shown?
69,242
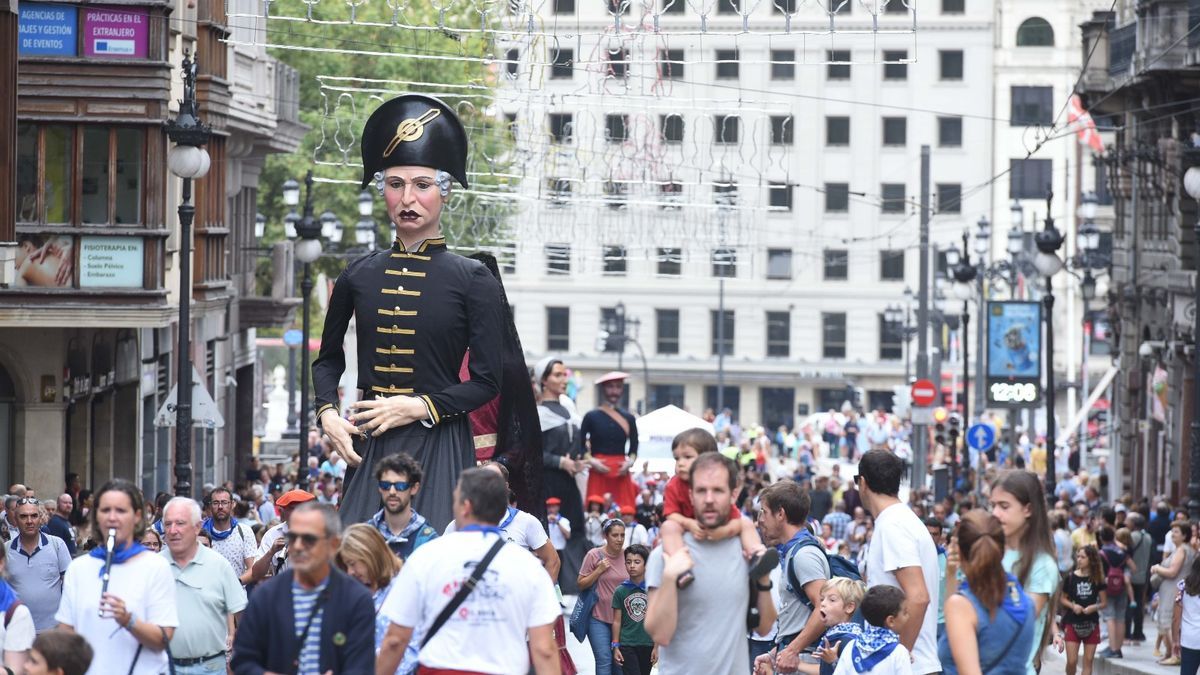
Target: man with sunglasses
36,564
402,527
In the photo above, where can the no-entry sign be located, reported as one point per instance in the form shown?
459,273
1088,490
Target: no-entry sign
923,393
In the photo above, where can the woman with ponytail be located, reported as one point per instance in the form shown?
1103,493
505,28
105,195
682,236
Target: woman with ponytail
1083,597
990,620
1019,503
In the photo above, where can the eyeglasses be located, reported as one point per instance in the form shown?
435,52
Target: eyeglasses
23,501
855,479
221,503
400,485
306,537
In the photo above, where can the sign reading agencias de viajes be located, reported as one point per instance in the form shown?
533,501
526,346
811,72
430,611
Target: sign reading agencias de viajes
47,30
110,262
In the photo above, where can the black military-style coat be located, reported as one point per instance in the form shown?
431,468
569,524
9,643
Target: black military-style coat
418,311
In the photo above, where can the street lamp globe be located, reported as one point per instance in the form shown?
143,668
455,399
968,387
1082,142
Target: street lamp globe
1191,182
1088,239
1018,214
1016,241
339,230
291,192
983,236
365,204
1087,287
1047,264
260,226
893,314
188,161
289,225
908,294
953,257
327,224
308,250
1087,205
364,233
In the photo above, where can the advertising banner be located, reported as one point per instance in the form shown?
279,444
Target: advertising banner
1014,353
110,262
115,32
47,30
45,262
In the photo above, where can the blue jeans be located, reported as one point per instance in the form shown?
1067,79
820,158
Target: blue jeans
214,665
1189,659
600,638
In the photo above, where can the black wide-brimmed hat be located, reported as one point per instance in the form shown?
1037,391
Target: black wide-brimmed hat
414,130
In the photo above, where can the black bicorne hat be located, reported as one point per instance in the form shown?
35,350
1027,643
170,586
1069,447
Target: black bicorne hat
414,130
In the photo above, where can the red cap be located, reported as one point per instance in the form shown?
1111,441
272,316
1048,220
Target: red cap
553,501
627,511
293,497
595,499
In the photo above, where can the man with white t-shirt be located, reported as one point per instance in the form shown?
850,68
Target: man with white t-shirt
523,529
510,601
902,554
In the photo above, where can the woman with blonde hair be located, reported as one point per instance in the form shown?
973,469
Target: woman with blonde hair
364,555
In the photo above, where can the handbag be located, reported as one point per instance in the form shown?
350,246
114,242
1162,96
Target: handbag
565,662
582,613
1083,631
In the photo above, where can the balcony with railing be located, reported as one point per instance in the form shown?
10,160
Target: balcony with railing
1122,42
1162,27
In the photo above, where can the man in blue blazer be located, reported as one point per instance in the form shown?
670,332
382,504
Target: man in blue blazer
312,619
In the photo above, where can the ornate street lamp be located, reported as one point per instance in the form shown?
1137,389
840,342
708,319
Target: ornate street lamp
308,249
964,288
1048,264
1191,184
188,160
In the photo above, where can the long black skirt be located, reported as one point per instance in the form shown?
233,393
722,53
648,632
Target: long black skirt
443,451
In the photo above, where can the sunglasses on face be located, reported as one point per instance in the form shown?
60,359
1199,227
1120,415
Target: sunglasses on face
308,538
400,485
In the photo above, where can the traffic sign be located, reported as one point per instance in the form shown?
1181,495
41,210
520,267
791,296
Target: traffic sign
923,393
293,337
981,436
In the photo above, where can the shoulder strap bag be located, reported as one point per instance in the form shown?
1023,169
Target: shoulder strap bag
463,592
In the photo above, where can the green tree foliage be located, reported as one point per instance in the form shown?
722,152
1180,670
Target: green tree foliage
346,71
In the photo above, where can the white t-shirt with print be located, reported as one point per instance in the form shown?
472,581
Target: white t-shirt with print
146,585
901,540
514,595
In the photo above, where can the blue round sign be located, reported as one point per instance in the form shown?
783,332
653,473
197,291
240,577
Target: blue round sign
981,436
293,337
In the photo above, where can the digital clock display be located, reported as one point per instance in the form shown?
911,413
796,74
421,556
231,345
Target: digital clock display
1013,392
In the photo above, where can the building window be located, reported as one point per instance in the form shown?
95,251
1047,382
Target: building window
837,64
616,193
1035,32
837,264
666,394
895,7
949,197
722,332
784,6
779,334
837,130
564,6
618,63
559,190
777,405
512,62
891,265
670,61
674,6
954,7
618,6
950,64
837,197
672,196
614,261
895,131
725,129
1028,178
833,334
558,259
731,398
783,64
727,64
779,263
780,196
562,127
891,342
558,329
782,130
672,128
728,7
950,132
616,128
893,198
670,262
892,68
1100,185
724,263
55,164
725,193
1031,105
562,64
666,322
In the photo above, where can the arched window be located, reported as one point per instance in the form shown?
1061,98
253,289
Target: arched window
1035,32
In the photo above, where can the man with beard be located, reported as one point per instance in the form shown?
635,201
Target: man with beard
232,539
611,436
402,527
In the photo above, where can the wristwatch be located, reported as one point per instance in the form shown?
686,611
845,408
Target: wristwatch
132,620
760,587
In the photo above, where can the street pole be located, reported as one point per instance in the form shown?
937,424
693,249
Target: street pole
966,399
980,392
291,374
721,344
1048,241
919,430
1193,487
189,161
306,287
